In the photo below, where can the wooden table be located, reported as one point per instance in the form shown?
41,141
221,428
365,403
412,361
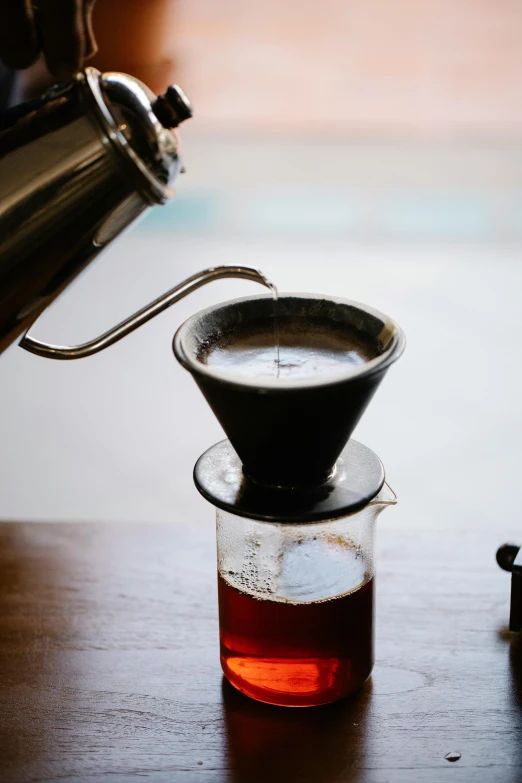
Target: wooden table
110,670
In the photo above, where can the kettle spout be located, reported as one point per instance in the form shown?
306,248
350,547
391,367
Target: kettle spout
142,316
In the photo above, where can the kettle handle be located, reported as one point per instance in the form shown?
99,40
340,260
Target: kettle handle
142,316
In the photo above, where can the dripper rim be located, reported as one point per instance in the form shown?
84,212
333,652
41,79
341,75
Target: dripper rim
278,385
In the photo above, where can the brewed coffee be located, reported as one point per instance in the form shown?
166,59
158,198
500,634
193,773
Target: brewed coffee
308,347
296,654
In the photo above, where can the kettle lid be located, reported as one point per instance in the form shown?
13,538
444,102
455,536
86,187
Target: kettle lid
141,125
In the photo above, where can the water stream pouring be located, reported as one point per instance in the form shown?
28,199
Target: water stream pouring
296,500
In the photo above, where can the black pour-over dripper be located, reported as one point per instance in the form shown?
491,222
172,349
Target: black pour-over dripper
288,433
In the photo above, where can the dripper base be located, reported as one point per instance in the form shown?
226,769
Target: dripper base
358,477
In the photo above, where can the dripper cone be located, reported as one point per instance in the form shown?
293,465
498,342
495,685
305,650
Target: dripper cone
288,433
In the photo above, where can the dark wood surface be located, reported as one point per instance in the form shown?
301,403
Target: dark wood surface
110,670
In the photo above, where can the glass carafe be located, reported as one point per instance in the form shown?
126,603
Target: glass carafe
296,605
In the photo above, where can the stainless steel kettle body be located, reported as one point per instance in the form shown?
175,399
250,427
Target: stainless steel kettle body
77,166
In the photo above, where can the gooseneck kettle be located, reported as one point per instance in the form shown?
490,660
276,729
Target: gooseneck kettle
77,167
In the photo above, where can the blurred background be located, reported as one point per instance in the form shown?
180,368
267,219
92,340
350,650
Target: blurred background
360,148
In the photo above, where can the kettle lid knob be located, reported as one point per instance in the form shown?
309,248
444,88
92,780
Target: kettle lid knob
172,107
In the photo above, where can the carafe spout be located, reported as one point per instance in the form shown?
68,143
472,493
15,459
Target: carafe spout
385,497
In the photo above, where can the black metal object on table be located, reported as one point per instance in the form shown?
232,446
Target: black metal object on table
509,557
